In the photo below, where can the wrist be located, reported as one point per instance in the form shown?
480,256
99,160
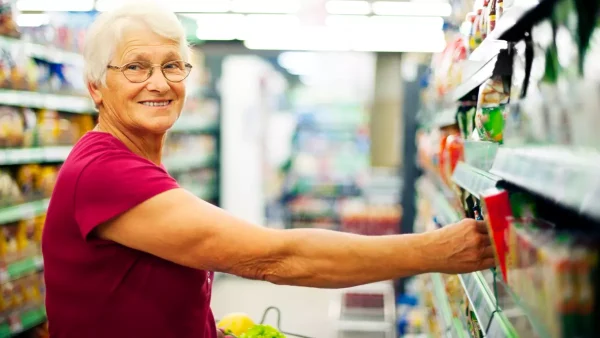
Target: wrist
434,252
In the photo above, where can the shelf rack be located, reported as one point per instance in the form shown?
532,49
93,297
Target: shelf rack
567,177
59,102
23,322
21,211
34,155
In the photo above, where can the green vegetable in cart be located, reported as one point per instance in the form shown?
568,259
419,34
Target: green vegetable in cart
262,331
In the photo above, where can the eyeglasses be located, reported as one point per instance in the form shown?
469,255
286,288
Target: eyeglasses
140,71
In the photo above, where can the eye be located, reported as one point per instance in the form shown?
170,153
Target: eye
174,65
134,66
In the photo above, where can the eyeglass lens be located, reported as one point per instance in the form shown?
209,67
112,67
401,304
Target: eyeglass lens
174,71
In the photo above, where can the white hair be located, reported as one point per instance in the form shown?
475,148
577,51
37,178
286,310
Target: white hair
105,33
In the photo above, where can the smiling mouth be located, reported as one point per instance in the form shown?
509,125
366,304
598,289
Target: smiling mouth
156,103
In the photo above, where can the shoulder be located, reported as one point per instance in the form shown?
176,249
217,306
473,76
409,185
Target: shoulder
102,151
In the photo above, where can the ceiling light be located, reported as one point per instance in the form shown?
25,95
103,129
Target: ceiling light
32,20
219,26
412,8
199,6
55,6
349,7
265,6
346,20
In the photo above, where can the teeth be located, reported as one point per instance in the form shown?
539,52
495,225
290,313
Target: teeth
156,104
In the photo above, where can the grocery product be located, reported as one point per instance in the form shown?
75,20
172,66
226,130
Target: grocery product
490,114
8,25
10,193
497,212
262,331
236,323
11,127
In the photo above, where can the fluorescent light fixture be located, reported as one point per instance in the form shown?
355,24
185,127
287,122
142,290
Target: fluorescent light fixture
348,7
219,26
429,43
303,39
328,39
199,6
266,6
178,6
32,20
346,20
405,8
55,6
408,23
257,25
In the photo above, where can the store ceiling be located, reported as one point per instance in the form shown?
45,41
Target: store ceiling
334,25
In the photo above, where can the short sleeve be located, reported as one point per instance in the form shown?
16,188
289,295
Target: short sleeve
113,183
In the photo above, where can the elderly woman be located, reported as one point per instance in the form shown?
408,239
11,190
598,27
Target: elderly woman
128,253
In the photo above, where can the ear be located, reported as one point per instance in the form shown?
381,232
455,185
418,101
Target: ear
95,92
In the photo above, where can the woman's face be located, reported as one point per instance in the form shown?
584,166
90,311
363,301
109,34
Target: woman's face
151,106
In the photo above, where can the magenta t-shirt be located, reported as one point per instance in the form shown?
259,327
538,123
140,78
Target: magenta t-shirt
97,288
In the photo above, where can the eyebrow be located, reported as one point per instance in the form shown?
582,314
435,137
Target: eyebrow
171,56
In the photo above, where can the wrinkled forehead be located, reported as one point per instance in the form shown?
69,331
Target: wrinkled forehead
141,44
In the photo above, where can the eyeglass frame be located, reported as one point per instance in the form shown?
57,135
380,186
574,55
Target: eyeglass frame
152,66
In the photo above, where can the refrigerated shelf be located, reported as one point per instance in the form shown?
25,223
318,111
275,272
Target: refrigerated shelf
565,176
34,155
59,102
21,211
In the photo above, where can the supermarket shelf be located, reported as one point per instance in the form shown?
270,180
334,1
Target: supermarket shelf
444,212
520,17
498,64
491,320
21,268
452,326
474,180
34,155
25,321
492,56
182,163
446,118
567,177
21,211
64,103
480,154
43,52
540,329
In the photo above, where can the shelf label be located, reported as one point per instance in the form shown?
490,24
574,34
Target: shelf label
15,323
4,276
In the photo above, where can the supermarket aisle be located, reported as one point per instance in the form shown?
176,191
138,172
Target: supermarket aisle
304,311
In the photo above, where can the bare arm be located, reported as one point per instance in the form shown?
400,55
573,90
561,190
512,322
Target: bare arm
181,228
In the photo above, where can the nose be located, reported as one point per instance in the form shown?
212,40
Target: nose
157,82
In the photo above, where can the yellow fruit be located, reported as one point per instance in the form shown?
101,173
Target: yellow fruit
236,323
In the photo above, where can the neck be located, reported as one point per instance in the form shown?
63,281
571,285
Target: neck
148,145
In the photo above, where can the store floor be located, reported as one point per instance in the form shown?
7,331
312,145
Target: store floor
304,311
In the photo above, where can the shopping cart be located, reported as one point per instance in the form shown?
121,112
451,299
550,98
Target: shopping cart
278,321
263,321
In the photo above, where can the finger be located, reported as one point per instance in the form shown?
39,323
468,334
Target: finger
486,241
488,252
488,263
481,227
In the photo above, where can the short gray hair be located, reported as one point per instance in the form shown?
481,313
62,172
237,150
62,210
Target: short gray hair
106,31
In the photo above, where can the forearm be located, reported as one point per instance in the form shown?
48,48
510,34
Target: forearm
319,258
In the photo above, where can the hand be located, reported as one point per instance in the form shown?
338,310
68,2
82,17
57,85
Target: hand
221,334
464,247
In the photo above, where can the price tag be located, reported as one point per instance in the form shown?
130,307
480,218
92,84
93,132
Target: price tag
4,276
38,262
15,323
27,211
